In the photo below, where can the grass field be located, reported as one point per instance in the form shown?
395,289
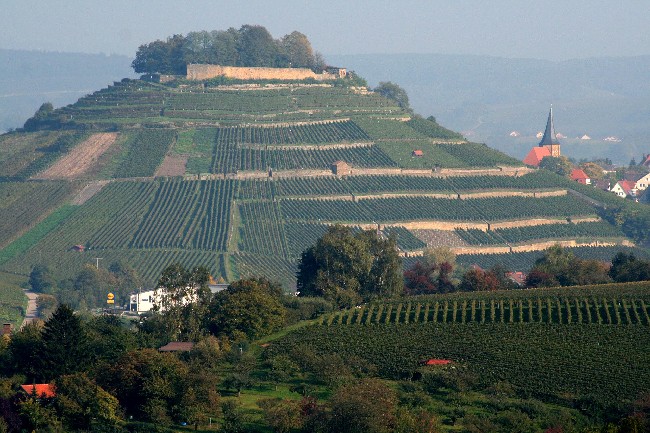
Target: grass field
13,302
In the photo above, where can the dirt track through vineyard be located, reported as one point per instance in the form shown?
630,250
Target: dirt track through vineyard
80,159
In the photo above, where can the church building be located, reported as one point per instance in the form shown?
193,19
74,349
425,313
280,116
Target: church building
548,146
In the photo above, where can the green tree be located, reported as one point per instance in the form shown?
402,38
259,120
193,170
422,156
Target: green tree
282,415
281,368
557,164
627,267
182,299
392,91
41,280
593,170
256,46
346,268
224,47
107,339
366,406
147,383
82,404
252,307
564,267
198,47
124,280
40,117
64,344
296,51
25,351
39,417
243,364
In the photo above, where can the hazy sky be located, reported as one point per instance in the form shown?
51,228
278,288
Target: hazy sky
545,29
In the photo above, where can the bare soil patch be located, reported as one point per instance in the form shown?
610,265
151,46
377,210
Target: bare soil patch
88,191
172,165
81,159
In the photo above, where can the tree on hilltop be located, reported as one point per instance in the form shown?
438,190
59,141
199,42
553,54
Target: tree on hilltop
250,45
392,91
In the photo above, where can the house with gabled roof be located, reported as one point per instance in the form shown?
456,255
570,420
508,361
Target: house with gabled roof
580,176
625,188
643,183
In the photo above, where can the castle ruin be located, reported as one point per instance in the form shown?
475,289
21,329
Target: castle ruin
205,72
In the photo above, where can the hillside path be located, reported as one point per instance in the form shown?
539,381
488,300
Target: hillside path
32,312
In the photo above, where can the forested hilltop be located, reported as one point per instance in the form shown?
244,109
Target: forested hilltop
250,45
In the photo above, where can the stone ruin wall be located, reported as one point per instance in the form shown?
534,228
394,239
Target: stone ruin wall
205,72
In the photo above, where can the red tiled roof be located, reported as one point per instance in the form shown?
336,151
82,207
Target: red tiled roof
578,173
437,362
177,346
418,153
627,185
536,155
42,390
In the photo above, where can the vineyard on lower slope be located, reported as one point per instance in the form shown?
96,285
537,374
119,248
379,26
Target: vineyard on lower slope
555,344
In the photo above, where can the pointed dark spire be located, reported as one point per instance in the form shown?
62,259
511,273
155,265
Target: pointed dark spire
549,133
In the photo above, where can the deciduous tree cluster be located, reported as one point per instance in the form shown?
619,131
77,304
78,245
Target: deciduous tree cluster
250,45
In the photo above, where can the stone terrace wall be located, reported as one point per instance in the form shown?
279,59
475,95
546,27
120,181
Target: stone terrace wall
205,72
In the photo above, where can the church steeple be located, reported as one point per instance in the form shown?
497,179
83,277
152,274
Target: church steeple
549,138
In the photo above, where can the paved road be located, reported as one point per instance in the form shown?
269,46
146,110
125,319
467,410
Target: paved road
31,308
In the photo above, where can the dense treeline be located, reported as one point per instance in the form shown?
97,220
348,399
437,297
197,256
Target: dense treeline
250,45
437,272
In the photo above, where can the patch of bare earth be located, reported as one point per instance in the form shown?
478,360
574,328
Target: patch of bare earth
172,165
88,191
81,159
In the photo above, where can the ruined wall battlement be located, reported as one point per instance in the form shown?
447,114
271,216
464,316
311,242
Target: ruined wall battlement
205,72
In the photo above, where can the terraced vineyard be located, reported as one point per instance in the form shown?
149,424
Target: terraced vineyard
588,230
258,187
423,208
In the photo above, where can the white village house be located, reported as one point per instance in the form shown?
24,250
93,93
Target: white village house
643,183
143,301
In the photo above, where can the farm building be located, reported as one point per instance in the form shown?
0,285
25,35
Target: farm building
417,152
177,346
341,168
429,362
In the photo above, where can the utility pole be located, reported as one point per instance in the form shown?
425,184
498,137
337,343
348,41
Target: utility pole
97,259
